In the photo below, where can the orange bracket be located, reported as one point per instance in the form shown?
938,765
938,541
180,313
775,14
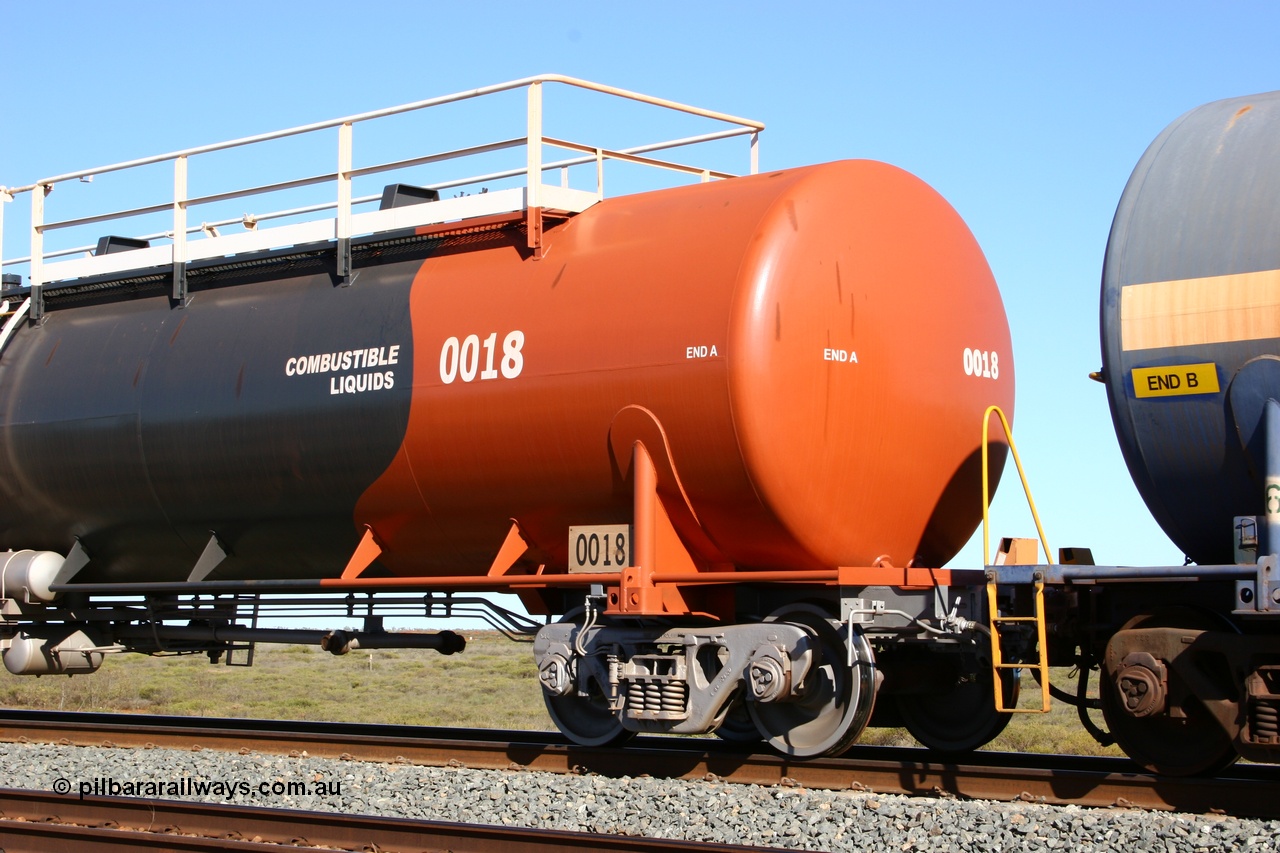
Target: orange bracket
366,552
513,548
636,423
654,544
534,227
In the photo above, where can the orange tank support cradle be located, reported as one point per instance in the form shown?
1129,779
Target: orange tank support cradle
634,424
655,544
663,571
676,570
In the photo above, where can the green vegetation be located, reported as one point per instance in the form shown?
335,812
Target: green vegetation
493,684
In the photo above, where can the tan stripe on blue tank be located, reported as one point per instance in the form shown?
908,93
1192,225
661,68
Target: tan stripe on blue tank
1190,312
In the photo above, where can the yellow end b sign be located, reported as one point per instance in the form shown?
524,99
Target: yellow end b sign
1175,380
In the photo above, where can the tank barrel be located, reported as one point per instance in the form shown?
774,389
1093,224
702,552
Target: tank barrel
1191,271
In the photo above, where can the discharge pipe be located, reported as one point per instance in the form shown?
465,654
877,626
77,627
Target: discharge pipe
337,642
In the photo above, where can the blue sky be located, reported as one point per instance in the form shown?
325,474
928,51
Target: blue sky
1027,117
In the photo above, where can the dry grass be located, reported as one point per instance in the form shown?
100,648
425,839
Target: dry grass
491,685
1058,731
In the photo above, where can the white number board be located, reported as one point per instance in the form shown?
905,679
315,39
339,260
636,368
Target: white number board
599,547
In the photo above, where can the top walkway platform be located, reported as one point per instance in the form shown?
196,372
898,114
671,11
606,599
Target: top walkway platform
156,226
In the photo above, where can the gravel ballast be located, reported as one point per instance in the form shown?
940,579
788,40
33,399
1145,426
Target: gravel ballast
795,818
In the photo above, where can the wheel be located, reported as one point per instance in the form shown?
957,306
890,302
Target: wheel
586,720
738,727
1171,746
962,719
838,698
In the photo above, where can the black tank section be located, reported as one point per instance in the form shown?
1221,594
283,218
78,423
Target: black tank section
260,411
1203,202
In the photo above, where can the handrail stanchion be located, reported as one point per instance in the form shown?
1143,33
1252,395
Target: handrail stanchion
5,198
180,231
343,223
37,252
533,186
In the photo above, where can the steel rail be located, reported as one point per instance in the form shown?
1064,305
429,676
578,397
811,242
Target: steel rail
44,822
1245,790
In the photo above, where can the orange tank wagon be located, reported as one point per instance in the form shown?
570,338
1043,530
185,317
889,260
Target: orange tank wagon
726,431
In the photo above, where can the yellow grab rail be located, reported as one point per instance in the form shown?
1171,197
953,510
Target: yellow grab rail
986,486
998,665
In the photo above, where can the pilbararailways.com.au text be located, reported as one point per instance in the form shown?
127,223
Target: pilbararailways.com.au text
189,787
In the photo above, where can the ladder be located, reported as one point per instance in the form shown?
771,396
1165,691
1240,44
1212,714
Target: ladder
1013,552
998,664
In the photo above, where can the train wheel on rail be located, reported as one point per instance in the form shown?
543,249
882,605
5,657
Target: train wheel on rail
738,726
586,720
838,698
963,719
1194,743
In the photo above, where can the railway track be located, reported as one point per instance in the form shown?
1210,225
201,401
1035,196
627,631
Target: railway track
43,822
1244,791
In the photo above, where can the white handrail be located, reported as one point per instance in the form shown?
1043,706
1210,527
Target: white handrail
623,153
534,140
390,111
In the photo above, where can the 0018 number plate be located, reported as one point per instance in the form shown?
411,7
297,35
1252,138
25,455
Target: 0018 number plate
599,547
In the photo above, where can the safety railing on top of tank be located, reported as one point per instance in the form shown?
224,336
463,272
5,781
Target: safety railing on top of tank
534,195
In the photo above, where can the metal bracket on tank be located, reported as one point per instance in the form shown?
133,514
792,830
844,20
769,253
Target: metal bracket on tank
366,552
76,560
654,545
212,556
513,548
1260,596
637,424
1269,585
37,304
533,221
344,261
179,284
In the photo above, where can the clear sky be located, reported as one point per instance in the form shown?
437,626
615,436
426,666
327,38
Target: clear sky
1027,117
